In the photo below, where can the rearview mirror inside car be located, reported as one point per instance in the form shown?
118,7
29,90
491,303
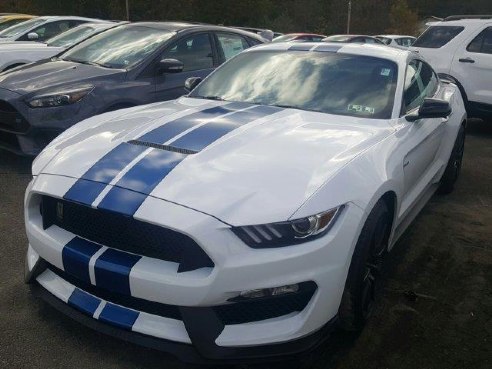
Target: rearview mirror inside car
431,108
170,66
191,83
32,36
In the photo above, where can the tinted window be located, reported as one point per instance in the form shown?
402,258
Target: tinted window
437,36
326,82
420,82
482,43
406,42
231,44
122,47
370,40
317,38
49,30
195,52
384,40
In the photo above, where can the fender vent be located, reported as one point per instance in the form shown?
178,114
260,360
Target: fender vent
163,147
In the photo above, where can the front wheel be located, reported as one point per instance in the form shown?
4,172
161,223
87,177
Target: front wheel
363,280
453,167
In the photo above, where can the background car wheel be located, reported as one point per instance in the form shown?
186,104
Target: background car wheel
453,168
363,281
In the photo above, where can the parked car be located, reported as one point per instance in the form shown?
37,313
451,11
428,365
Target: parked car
134,64
9,20
42,28
249,217
396,40
360,39
299,37
18,53
266,34
460,49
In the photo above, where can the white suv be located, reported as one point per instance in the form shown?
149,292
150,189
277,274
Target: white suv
460,49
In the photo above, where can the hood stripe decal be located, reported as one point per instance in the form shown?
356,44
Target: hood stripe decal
131,190
171,129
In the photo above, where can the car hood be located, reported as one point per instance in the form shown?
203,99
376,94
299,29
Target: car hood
41,76
241,167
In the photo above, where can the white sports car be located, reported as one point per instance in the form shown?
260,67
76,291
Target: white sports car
249,217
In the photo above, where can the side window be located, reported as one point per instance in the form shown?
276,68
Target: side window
52,29
195,52
231,44
482,43
369,40
420,82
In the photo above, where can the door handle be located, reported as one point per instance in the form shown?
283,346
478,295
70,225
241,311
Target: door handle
466,60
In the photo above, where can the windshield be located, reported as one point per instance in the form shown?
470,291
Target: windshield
325,82
384,40
284,38
435,37
21,27
338,38
122,47
71,37
4,24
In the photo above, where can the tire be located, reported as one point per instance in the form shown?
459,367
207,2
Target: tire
363,281
453,168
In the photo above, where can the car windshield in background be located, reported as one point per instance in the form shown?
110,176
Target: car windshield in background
21,28
340,38
119,48
435,37
384,40
71,37
334,83
283,38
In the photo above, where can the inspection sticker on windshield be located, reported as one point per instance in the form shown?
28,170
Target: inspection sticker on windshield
385,72
361,108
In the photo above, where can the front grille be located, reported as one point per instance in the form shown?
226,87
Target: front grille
124,233
11,120
156,308
260,309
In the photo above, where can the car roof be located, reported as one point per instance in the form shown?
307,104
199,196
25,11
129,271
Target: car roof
462,22
16,16
69,17
183,26
374,50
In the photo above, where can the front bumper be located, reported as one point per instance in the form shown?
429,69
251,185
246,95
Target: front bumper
197,294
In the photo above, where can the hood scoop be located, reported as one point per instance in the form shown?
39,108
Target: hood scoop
162,147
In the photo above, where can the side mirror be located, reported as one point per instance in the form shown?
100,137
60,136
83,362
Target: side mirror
170,66
32,36
191,83
431,108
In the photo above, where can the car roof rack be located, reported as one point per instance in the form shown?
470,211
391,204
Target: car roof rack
459,17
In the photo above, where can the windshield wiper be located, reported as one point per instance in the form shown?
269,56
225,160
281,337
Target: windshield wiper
88,63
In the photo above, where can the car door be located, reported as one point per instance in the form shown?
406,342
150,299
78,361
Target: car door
421,139
198,54
472,66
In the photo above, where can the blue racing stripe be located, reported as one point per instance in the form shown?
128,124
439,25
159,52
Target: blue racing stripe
141,179
171,129
118,316
205,135
84,191
76,255
112,270
83,301
93,182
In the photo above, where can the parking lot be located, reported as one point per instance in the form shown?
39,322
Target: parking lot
435,313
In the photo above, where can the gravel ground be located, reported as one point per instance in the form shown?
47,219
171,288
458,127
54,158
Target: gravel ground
444,260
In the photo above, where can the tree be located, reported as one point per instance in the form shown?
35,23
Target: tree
403,20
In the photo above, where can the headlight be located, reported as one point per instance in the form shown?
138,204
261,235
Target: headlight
60,97
288,233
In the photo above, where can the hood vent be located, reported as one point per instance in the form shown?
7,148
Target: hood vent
162,147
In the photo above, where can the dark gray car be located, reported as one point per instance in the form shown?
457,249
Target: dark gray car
130,65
